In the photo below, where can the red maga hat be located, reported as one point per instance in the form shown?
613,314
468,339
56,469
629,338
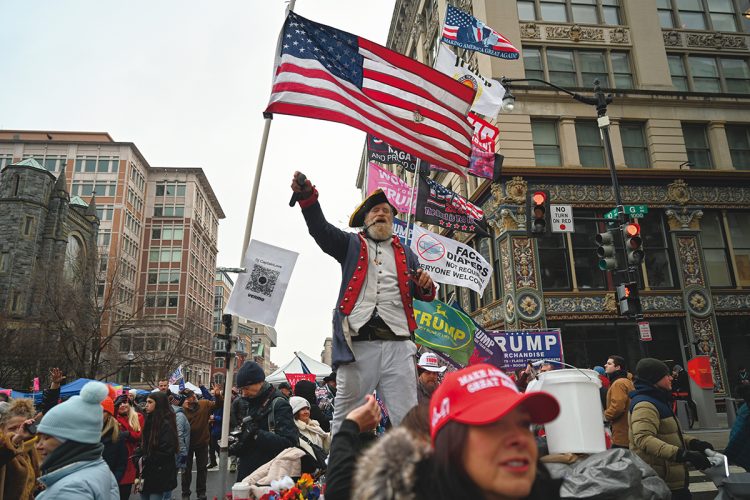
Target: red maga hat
481,394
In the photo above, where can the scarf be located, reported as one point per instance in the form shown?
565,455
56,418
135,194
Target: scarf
70,452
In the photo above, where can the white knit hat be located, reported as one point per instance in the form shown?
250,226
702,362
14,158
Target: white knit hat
298,403
78,419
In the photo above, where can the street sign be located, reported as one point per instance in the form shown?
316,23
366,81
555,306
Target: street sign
562,218
635,211
644,329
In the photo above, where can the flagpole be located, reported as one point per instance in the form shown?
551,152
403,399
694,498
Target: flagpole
411,203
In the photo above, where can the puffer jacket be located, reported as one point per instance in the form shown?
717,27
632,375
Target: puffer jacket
183,433
85,480
398,466
655,434
617,404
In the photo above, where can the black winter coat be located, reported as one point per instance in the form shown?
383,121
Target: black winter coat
159,466
306,389
266,444
115,453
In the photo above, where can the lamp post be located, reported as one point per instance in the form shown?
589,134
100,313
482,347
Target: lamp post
600,101
130,357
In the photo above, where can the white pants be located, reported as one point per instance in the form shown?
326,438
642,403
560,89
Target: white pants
387,366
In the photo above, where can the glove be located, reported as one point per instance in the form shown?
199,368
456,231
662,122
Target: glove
698,459
698,445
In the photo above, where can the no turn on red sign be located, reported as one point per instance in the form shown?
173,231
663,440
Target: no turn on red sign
561,217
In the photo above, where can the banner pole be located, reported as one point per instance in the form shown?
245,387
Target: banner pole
414,188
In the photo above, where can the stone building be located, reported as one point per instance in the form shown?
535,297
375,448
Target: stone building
679,73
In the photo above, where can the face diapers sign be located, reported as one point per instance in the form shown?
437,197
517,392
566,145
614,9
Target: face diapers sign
449,261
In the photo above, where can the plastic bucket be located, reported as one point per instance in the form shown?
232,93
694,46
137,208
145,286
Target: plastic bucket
240,491
579,428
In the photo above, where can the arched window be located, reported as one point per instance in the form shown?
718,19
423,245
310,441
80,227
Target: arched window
73,257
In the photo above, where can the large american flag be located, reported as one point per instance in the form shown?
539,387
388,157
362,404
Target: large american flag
466,31
329,74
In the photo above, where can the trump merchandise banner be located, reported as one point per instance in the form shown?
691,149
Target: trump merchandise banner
449,261
397,191
514,349
445,329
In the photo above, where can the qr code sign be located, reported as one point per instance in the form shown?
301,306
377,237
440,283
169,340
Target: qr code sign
262,280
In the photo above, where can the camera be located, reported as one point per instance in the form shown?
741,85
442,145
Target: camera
240,439
30,427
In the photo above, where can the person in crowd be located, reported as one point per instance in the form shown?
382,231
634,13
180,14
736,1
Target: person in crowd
51,395
681,389
70,448
131,426
743,378
286,389
215,434
738,447
198,413
4,398
655,433
159,449
546,367
309,429
19,461
265,418
523,377
183,429
373,320
132,396
482,445
605,384
306,389
115,451
163,385
428,370
327,395
618,400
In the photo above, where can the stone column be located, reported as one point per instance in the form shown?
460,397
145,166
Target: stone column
616,140
700,319
568,142
717,141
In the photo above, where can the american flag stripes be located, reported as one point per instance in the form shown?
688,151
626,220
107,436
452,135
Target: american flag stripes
329,74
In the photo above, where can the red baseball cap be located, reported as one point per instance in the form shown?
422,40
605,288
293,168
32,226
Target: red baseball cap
481,394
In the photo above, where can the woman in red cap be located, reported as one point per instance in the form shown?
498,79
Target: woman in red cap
482,445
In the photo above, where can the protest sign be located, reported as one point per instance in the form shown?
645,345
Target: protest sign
438,205
259,291
380,151
449,261
445,329
293,378
511,350
489,96
399,193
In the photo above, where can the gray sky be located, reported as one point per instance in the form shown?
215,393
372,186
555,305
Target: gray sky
187,81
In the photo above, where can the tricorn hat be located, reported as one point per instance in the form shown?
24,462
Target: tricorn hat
376,198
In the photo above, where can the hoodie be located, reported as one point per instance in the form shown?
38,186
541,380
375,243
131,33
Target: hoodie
306,389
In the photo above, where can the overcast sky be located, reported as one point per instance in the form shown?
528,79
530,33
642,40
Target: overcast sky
187,81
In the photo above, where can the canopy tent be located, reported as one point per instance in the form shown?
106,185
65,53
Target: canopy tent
66,391
320,370
175,388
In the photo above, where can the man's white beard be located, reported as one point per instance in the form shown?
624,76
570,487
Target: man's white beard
380,231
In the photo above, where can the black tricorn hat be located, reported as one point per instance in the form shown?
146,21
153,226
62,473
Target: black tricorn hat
376,198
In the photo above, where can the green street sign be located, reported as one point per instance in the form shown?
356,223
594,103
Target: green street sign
635,211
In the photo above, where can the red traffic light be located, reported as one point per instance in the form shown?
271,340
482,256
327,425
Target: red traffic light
539,198
632,229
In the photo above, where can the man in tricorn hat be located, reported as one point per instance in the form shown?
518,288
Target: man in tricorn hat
374,316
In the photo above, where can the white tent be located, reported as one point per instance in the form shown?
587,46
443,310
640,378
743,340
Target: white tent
320,370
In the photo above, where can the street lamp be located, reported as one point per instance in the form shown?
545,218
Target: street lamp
130,357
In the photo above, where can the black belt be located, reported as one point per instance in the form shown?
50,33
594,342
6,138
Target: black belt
376,329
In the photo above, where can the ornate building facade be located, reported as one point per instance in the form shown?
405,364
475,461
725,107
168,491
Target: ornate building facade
680,130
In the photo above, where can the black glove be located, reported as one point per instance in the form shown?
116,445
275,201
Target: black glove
698,445
698,459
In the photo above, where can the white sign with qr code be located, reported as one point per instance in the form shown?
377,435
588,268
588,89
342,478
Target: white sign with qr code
259,291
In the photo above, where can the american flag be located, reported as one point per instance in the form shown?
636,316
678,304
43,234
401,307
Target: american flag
461,204
329,74
466,31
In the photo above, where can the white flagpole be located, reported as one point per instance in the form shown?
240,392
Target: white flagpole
226,408
412,196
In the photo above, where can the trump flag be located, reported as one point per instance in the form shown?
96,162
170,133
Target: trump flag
467,32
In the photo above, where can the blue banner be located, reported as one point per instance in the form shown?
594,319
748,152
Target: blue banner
511,350
399,229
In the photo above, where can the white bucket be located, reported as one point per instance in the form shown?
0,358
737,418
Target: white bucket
579,428
240,491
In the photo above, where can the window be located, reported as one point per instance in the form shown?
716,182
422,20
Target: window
28,225
104,212
590,148
170,189
553,259
526,10
738,137
588,275
16,302
715,249
713,15
218,362
710,74
634,144
578,11
579,68
546,144
4,262
104,237
739,231
696,144
659,267
169,211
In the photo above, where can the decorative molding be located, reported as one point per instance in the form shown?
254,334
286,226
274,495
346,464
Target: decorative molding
574,33
619,35
716,41
690,263
731,302
606,304
704,338
678,192
524,263
684,219
530,31
699,302
672,38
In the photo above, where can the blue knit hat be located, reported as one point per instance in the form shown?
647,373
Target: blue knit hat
250,373
78,419
600,370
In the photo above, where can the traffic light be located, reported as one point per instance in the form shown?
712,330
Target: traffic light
628,299
633,243
606,251
537,213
